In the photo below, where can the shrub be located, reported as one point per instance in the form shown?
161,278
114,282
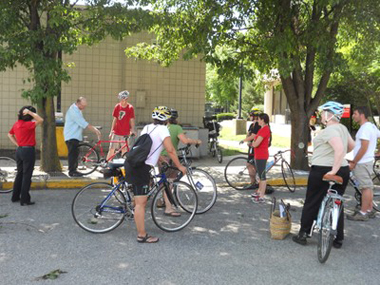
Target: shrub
225,116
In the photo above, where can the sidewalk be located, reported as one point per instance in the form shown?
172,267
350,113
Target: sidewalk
208,163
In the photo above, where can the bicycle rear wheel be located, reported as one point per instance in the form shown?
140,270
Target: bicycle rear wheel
88,159
376,168
98,208
8,172
288,176
205,188
236,173
219,153
325,236
184,198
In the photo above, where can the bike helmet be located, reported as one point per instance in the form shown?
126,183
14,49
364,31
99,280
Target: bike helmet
334,108
123,95
174,113
161,113
254,111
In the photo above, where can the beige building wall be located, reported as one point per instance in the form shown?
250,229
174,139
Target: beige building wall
101,72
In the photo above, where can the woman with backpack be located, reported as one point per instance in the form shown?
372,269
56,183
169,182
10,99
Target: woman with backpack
139,176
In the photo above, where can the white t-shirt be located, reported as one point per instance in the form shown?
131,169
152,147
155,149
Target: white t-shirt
158,133
368,132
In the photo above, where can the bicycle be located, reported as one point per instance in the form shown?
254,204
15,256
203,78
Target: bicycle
8,172
89,158
358,194
213,144
200,180
376,167
326,223
237,175
100,207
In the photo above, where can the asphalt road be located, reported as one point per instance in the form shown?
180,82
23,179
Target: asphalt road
230,244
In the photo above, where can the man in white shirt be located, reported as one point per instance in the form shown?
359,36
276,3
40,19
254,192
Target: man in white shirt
362,164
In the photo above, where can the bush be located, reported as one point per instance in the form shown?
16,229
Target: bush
225,116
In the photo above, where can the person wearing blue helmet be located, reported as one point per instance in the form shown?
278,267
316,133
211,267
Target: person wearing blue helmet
330,147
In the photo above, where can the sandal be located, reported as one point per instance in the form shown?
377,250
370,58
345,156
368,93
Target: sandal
173,214
147,239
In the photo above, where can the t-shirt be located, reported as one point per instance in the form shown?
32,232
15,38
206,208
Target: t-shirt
25,132
158,133
253,129
323,154
368,132
123,115
175,131
261,151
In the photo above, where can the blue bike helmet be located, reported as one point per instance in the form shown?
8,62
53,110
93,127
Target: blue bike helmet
334,108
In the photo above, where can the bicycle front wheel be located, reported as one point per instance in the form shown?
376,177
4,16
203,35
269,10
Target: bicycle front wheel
236,173
219,154
8,172
205,188
88,159
288,176
325,235
99,208
183,197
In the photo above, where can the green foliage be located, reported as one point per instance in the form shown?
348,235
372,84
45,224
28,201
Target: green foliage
225,116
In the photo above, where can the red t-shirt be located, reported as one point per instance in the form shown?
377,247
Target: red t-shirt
123,116
25,132
262,152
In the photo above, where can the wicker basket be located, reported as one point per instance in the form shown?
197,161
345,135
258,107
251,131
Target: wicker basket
280,227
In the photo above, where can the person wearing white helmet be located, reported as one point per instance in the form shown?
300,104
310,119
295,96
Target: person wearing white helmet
123,123
139,177
330,147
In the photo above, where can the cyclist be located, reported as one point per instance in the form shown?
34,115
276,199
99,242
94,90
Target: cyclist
362,164
261,145
251,134
139,177
177,135
330,147
123,123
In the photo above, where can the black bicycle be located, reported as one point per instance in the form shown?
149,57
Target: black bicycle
214,128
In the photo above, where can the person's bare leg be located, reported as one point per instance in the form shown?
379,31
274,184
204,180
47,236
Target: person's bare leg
262,187
139,214
111,152
367,198
252,173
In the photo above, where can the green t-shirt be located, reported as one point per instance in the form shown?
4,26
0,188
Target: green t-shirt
174,131
323,154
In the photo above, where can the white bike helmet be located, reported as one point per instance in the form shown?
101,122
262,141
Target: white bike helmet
161,113
123,95
334,108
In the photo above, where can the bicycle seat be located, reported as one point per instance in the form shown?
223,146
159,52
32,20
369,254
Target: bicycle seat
333,178
115,165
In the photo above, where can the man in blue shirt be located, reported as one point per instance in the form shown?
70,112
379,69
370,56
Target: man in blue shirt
73,133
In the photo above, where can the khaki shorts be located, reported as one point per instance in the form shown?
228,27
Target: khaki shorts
363,173
117,138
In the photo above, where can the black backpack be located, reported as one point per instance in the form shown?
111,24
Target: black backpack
139,153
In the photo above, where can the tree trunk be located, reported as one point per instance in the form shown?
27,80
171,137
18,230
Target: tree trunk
49,154
299,139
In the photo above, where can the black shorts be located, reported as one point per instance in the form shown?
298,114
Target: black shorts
261,165
251,160
139,177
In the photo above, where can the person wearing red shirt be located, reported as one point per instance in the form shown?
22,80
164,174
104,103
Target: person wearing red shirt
261,145
23,135
123,123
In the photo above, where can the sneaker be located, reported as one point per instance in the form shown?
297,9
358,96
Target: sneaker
251,186
255,194
372,214
300,238
358,217
258,200
337,243
269,190
75,174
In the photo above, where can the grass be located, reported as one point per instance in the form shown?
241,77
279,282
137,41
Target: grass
277,141
231,151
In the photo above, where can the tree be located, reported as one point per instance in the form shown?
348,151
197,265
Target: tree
33,33
297,38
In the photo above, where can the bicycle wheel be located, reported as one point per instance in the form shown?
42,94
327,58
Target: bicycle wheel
97,208
376,168
8,172
376,198
184,198
219,154
205,188
325,236
88,159
288,176
212,148
236,173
